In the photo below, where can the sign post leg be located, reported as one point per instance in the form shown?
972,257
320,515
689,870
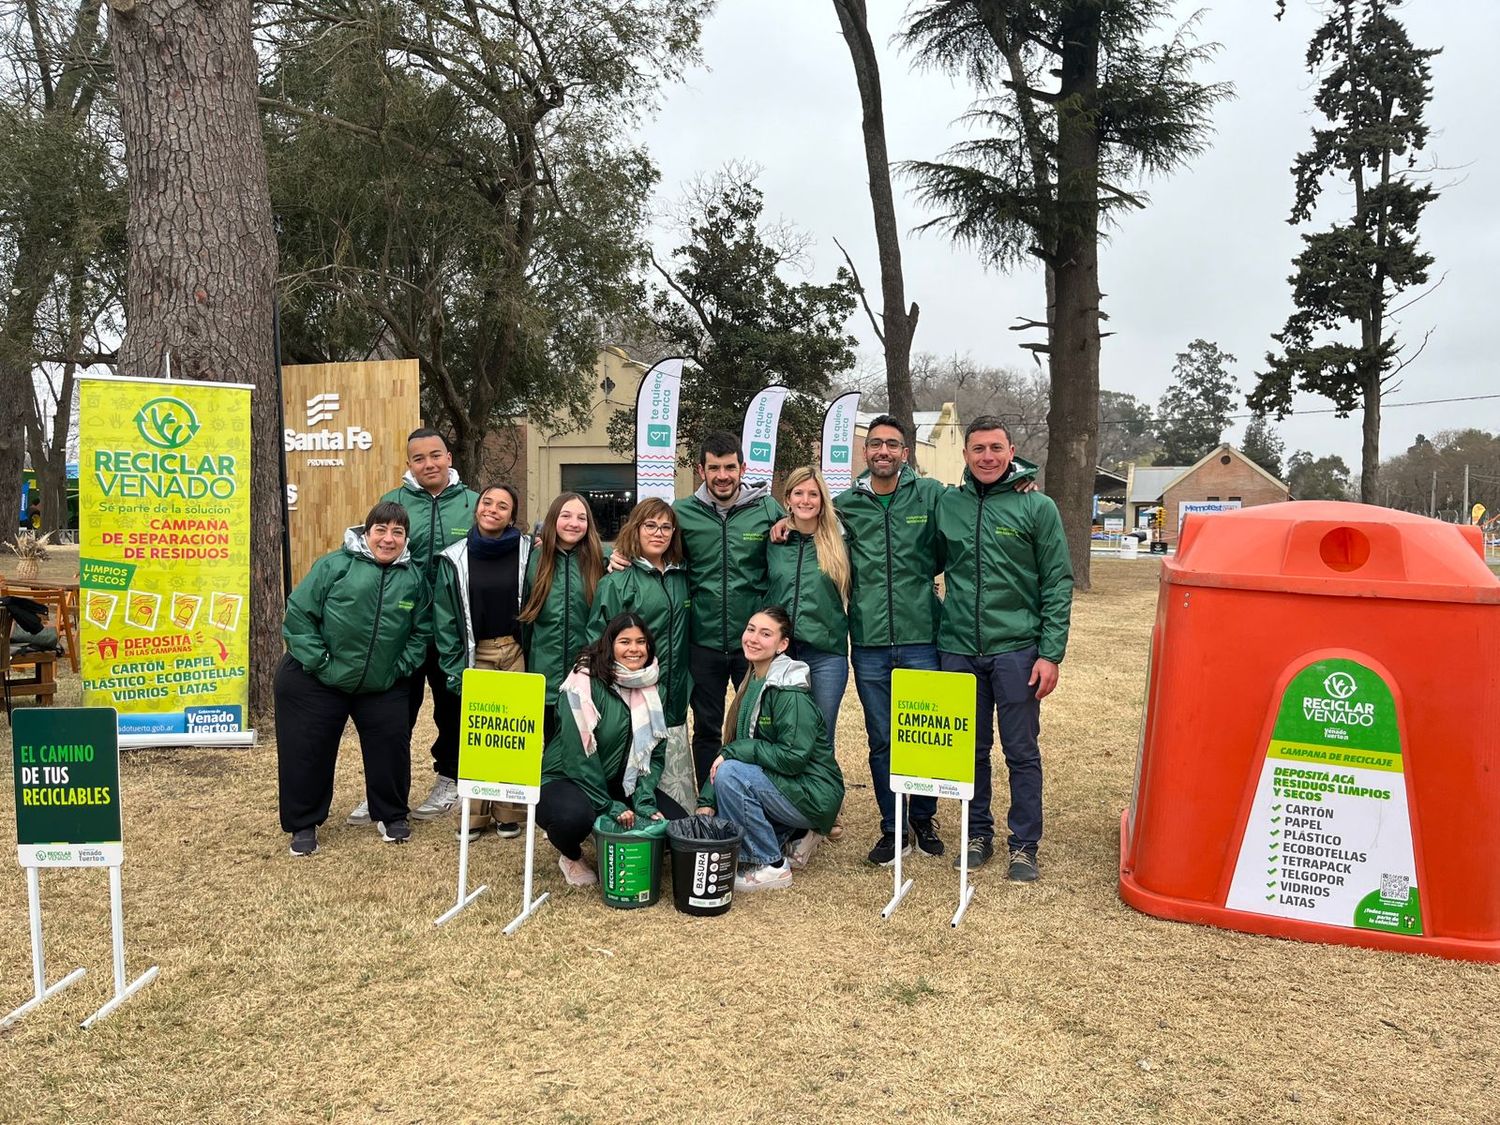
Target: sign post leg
965,892
123,992
528,906
901,888
464,897
40,991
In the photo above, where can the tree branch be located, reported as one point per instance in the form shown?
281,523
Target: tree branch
859,287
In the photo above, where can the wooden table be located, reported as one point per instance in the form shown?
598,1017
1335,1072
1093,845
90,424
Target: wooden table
61,600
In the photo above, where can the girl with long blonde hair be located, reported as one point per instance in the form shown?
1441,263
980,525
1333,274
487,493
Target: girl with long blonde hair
810,577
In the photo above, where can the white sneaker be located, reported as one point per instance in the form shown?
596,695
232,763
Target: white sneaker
764,877
442,799
577,872
360,817
800,850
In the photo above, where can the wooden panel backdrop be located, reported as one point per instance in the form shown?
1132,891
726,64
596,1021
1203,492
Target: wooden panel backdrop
329,489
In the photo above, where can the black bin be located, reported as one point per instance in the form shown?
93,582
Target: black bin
705,855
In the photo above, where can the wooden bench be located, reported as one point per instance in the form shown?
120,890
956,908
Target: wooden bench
26,675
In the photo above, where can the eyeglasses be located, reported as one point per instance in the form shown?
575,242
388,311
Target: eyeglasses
658,528
887,443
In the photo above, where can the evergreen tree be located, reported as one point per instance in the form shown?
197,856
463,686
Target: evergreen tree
1080,101
1374,90
1194,412
1263,445
1322,478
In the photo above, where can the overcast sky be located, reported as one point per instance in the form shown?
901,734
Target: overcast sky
1210,256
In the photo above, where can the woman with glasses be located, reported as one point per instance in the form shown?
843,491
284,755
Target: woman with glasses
655,586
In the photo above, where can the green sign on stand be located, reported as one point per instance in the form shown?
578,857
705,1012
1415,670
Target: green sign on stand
932,733
500,736
66,764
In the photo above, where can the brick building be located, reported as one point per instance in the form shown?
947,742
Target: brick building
1223,480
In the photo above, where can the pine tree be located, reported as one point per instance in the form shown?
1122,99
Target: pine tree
1263,445
1374,90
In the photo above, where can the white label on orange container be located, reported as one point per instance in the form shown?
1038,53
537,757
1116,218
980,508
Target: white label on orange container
1329,834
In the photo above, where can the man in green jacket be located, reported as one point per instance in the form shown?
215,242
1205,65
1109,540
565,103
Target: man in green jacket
725,527
441,511
890,520
1007,603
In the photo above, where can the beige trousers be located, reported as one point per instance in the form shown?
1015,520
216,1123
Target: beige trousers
498,654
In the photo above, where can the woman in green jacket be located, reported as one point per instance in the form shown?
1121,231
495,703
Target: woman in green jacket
476,617
607,756
655,585
810,579
776,776
561,578
356,628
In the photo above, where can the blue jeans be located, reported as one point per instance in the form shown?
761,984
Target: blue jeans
747,796
830,676
1003,688
872,679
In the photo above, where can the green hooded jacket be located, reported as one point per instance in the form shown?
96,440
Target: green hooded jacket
564,759
436,521
894,552
791,744
726,557
1008,578
799,585
663,601
356,625
552,642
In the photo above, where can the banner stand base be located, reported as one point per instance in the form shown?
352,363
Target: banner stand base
465,896
965,890
36,1001
901,888
38,956
139,983
963,905
529,905
525,914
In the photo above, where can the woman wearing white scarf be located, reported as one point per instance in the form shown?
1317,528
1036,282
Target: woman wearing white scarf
607,755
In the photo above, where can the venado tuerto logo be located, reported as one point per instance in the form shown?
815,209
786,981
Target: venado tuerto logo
1340,685
167,423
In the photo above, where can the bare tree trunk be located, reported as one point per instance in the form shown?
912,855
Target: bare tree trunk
202,247
28,282
1369,453
899,323
1073,417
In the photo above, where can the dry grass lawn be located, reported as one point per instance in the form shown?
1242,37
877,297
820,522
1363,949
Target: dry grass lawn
319,990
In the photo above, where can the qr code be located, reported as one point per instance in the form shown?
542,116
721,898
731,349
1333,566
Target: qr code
1395,888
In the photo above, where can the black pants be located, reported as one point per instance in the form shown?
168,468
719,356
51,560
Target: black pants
714,673
565,814
445,707
310,720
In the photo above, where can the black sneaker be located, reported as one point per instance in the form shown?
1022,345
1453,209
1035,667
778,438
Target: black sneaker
304,842
883,854
394,831
1023,868
924,835
980,851
507,829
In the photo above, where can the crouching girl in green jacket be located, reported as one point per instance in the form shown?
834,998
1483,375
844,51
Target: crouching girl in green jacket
776,776
356,628
607,755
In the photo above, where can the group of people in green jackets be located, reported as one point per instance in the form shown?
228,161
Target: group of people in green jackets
724,589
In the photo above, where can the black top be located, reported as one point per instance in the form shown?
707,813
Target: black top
494,593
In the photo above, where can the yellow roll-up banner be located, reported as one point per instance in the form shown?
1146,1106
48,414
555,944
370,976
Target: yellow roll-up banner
164,552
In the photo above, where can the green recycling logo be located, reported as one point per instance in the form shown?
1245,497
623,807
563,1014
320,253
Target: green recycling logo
1340,685
167,423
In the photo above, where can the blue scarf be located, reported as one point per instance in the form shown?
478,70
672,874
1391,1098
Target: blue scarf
497,548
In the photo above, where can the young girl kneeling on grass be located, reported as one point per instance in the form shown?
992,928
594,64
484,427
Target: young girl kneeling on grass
607,755
776,776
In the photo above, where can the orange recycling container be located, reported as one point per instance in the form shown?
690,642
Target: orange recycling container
1320,753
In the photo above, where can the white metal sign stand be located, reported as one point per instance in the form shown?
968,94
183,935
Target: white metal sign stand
38,957
925,786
